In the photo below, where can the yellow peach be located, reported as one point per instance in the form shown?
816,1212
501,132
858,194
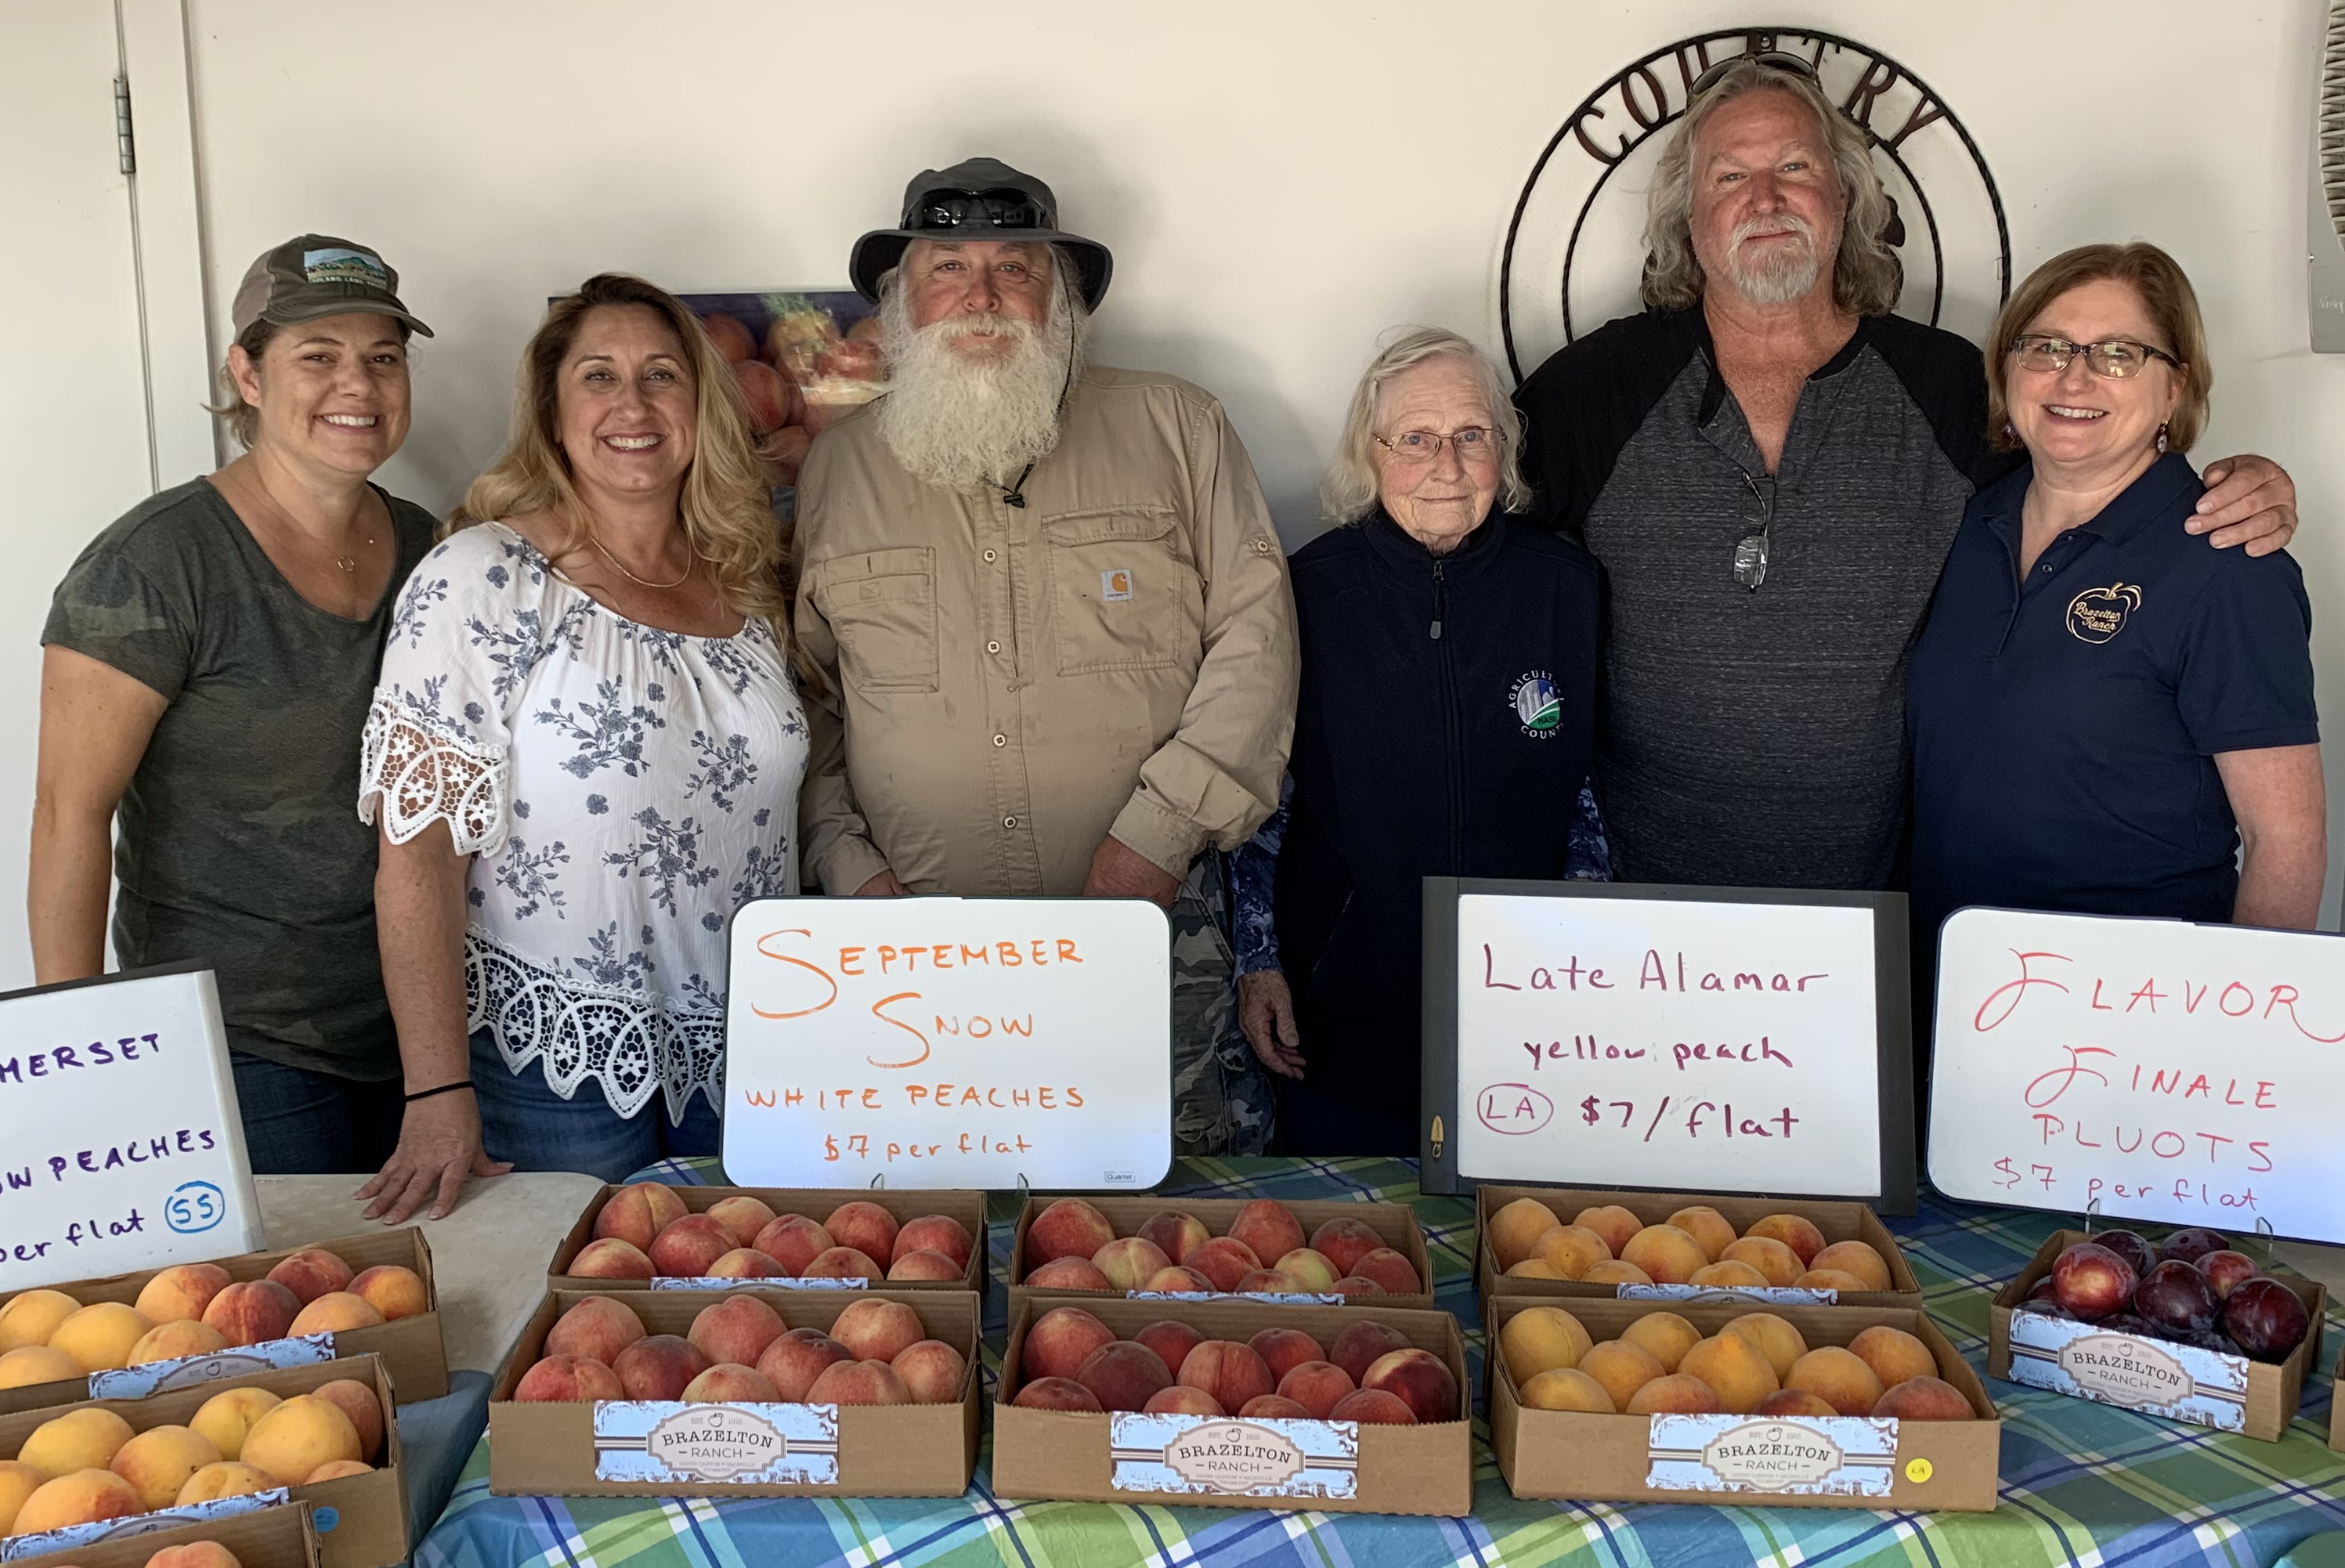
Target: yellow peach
1514,1228
158,1461
1536,1269
1615,1271
82,1497
32,1316
29,1364
226,1479
1725,1276
1573,1248
1775,1337
1541,1339
17,1483
228,1415
1771,1258
1706,1226
296,1437
83,1438
1668,1255
1668,1336
1894,1356
1735,1368
1855,1258
1567,1388
99,1337
1621,1368
180,1337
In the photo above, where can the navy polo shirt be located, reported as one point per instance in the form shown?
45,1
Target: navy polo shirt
2065,729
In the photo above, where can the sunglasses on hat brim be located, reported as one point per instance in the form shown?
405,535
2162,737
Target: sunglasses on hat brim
949,211
1798,65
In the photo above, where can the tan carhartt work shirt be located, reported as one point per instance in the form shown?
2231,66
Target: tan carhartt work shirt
1011,684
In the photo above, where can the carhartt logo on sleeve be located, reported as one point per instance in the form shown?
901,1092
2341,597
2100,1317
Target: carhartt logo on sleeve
1115,585
340,265
2096,614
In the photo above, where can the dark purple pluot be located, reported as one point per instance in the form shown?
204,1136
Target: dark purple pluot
2133,1323
2092,1282
2265,1318
2040,1290
2177,1297
2211,1339
2129,1244
2193,1244
2227,1270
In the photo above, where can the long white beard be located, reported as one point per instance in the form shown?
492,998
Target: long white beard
1786,272
966,423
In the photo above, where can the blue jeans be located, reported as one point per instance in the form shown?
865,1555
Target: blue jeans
298,1122
524,1121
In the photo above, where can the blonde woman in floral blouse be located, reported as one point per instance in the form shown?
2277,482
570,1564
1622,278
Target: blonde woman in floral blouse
583,755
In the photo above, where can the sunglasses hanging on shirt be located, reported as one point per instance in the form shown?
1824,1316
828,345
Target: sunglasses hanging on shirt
1759,520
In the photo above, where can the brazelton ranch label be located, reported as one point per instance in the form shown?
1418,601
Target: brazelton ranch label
759,1282
764,1444
212,1367
2182,1382
1837,1456
72,1537
1265,1458
1730,1295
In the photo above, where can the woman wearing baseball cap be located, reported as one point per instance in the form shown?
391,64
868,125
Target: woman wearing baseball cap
208,663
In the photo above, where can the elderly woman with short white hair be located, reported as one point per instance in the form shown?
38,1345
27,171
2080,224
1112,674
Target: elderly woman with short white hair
1444,727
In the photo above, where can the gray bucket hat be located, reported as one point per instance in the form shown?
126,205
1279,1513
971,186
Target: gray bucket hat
980,198
313,276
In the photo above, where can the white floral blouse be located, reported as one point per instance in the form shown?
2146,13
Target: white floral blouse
621,789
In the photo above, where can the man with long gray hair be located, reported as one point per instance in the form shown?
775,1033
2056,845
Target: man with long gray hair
1771,467
1052,610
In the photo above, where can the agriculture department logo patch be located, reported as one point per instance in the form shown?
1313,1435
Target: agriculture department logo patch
1538,706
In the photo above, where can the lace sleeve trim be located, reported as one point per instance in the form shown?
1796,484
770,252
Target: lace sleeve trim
420,776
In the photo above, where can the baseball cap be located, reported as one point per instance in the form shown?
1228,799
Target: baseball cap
312,276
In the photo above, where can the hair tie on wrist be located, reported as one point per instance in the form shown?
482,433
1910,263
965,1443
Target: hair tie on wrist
442,1089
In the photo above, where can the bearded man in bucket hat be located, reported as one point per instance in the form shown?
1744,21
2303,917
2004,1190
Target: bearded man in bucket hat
1052,610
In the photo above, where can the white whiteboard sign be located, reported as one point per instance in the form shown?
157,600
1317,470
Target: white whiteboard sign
2163,1070
1624,1041
120,1145
941,1041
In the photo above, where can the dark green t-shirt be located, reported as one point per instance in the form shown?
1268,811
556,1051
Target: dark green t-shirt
239,843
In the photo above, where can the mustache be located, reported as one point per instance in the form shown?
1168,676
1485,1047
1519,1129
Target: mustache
981,324
1793,221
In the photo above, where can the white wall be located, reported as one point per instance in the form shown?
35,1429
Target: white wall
73,406
1279,182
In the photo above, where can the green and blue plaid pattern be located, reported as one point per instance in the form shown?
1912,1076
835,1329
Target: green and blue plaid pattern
2083,1484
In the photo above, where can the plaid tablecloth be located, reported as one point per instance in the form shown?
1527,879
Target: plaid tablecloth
2083,1484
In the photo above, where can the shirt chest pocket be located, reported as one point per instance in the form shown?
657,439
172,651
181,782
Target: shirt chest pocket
882,608
1122,595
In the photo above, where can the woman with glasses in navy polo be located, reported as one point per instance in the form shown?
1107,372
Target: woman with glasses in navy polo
2107,716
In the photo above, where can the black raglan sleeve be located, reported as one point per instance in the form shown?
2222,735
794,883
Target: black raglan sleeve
1945,376
1584,404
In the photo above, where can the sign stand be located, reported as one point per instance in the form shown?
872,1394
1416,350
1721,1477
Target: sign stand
121,1147
1660,1038
949,1043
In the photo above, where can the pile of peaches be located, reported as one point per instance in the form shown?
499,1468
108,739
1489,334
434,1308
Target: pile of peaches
87,1464
1758,1364
1073,1362
645,1231
194,1555
737,1349
1071,1245
195,1308
1608,1245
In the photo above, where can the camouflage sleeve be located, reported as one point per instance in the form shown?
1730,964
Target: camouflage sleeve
1254,867
1588,853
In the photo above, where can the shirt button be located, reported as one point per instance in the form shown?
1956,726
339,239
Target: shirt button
993,647
1001,740
1009,822
989,558
1262,547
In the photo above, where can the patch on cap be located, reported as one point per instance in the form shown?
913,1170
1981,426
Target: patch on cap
343,266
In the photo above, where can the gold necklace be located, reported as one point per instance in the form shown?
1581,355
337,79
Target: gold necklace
622,565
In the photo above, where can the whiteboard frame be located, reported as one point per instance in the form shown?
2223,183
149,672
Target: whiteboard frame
1892,1021
2099,1217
